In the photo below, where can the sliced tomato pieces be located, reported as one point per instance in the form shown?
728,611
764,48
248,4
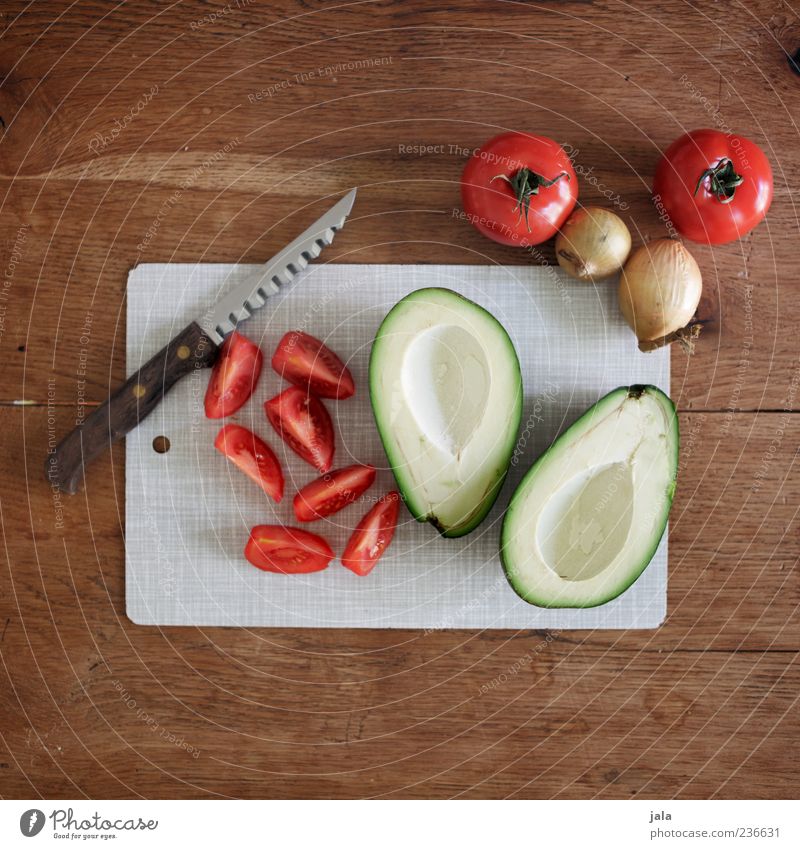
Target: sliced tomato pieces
310,364
234,376
304,424
372,536
332,492
290,551
253,456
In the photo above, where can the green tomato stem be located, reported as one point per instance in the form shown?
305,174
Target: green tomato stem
525,184
722,179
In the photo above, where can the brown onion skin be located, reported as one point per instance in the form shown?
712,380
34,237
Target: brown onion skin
659,289
593,244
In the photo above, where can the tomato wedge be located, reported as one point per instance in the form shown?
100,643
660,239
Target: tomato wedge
253,456
310,364
332,492
233,377
304,424
287,550
372,536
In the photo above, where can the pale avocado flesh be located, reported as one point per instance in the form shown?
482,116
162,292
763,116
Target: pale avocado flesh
588,516
446,392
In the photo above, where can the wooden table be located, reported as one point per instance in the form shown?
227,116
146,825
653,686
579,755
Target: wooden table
158,131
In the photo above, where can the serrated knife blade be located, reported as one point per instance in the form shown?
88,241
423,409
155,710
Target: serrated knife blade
196,346
252,293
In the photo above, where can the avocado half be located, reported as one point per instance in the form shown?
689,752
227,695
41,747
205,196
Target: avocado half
588,516
446,391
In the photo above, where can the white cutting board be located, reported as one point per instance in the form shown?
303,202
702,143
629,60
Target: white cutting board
189,511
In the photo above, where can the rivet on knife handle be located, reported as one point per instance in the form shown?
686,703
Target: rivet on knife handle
131,403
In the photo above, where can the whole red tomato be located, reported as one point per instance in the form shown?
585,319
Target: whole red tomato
715,187
518,189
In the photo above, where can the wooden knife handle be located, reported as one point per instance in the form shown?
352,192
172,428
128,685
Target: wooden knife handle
132,402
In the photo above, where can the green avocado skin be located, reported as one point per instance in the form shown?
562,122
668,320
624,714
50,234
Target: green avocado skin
609,400
514,414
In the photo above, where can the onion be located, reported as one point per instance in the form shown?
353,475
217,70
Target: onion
593,244
659,291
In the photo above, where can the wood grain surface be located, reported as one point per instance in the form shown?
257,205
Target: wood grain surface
189,131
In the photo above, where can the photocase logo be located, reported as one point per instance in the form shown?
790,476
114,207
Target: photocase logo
31,822
65,822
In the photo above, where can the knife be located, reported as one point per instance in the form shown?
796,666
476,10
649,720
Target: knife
196,346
